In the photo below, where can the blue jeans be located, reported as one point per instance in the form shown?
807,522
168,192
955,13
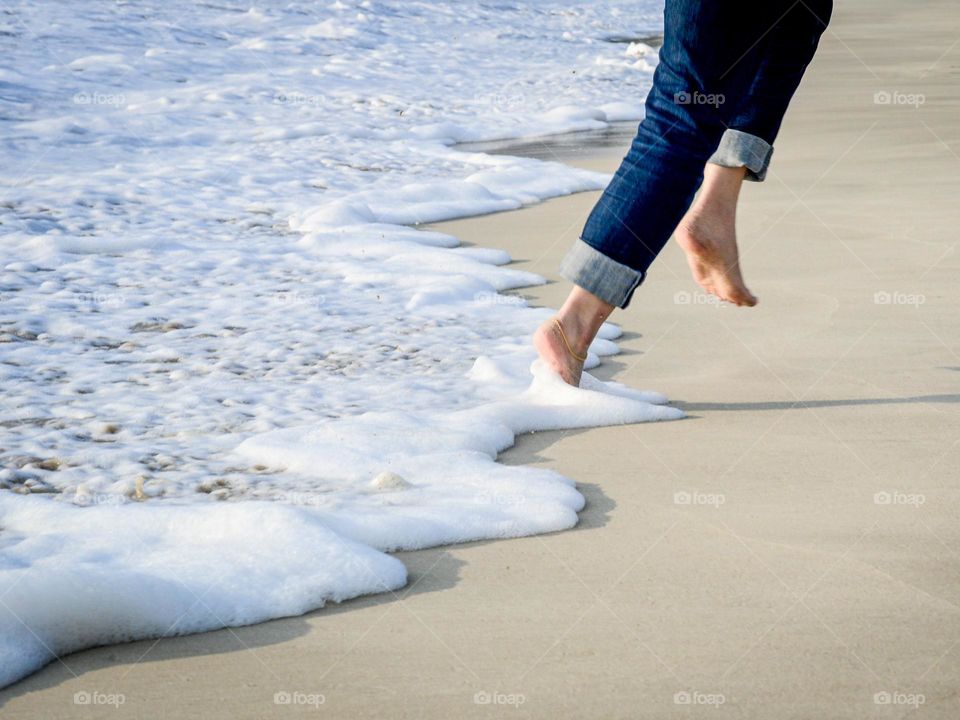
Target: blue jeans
726,75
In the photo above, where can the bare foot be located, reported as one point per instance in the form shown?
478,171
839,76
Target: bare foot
553,351
563,340
708,235
709,239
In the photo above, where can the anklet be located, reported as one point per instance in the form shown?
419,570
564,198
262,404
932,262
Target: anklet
581,358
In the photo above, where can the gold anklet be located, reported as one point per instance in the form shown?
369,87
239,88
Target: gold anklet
581,358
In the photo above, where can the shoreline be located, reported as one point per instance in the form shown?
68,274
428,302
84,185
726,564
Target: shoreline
585,149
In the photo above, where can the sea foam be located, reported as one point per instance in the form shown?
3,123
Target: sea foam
235,373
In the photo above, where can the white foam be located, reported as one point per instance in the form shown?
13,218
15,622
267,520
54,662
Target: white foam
452,489
234,376
165,569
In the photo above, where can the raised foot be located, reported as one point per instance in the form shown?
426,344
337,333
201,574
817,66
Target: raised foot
710,243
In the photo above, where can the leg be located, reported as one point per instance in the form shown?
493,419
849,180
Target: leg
684,123
755,58
768,85
707,232
657,180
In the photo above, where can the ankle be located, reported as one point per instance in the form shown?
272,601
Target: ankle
573,331
715,208
581,316
581,329
721,188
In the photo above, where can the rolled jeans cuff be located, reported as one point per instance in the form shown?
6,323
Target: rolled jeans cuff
609,280
740,149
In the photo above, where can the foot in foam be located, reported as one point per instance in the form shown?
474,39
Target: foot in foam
554,347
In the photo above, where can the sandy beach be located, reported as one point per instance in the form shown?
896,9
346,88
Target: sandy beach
790,550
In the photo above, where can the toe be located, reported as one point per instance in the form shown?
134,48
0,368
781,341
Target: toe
744,298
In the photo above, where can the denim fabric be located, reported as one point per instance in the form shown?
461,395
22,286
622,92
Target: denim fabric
596,273
740,149
723,66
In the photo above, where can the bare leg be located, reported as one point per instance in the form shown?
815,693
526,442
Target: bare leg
707,234
580,319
